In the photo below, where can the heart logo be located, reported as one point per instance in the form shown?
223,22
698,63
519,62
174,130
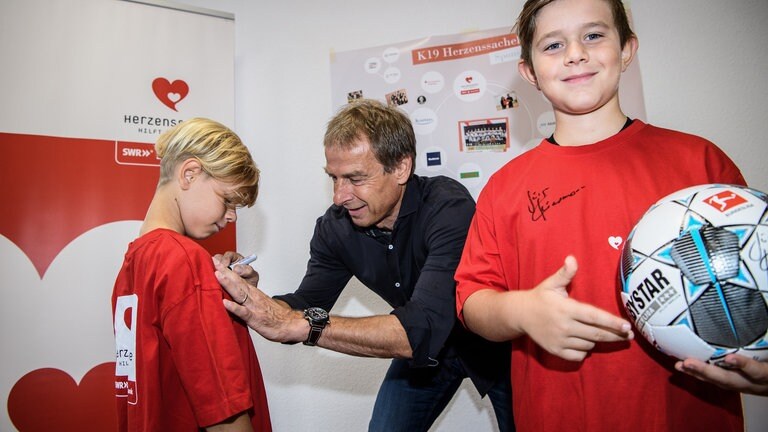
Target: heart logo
77,203
170,93
50,400
468,79
615,242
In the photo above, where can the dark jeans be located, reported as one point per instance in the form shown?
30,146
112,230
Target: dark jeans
410,400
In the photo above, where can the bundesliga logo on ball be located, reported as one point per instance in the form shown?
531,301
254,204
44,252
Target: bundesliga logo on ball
695,273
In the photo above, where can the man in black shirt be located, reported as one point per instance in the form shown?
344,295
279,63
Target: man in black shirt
402,236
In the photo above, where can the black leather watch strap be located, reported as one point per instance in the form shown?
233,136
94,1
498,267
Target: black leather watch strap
317,318
314,335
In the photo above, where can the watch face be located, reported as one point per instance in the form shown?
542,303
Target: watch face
316,313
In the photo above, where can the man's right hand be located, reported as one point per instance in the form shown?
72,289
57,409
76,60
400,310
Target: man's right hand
272,319
244,271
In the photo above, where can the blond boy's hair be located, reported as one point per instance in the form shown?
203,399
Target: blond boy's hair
220,152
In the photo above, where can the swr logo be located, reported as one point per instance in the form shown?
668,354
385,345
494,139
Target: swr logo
170,93
725,200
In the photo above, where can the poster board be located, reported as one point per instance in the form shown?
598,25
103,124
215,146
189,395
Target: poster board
88,86
471,110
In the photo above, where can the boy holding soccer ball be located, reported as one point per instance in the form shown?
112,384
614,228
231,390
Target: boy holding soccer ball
575,362
736,373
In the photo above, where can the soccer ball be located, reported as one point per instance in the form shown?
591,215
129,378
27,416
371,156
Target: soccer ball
694,273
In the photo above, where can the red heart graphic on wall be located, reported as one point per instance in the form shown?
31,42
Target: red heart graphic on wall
64,187
50,400
170,93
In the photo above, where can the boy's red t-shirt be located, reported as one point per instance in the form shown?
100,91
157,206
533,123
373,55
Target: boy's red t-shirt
554,201
182,361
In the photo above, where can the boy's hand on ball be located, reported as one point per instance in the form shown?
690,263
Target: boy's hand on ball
563,326
737,373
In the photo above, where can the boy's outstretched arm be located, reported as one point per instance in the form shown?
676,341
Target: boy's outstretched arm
562,326
739,373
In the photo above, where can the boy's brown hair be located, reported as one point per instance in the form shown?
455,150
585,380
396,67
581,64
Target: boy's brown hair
526,24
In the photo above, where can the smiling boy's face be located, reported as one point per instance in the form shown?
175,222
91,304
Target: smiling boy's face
577,56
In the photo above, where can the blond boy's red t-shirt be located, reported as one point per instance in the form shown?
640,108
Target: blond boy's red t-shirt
554,201
182,361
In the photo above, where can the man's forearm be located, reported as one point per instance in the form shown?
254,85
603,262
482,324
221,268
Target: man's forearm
379,336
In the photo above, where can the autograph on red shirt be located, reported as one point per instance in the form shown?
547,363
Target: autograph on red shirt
539,203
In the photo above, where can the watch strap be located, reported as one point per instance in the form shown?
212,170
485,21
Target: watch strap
314,335
317,319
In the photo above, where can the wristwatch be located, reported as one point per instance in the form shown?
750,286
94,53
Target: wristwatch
317,318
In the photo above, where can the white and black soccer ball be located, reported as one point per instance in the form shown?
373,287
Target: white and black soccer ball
695,273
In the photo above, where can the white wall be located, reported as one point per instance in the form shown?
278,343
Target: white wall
702,62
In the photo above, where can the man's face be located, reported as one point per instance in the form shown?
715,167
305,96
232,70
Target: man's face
371,196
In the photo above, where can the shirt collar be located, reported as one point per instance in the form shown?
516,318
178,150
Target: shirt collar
411,197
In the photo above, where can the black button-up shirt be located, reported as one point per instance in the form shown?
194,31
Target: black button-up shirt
412,269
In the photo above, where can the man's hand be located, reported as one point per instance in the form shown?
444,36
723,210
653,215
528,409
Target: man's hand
376,336
272,319
563,326
738,373
244,271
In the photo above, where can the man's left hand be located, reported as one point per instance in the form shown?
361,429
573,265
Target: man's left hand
272,319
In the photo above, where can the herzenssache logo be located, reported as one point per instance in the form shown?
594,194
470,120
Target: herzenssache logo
725,200
170,93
